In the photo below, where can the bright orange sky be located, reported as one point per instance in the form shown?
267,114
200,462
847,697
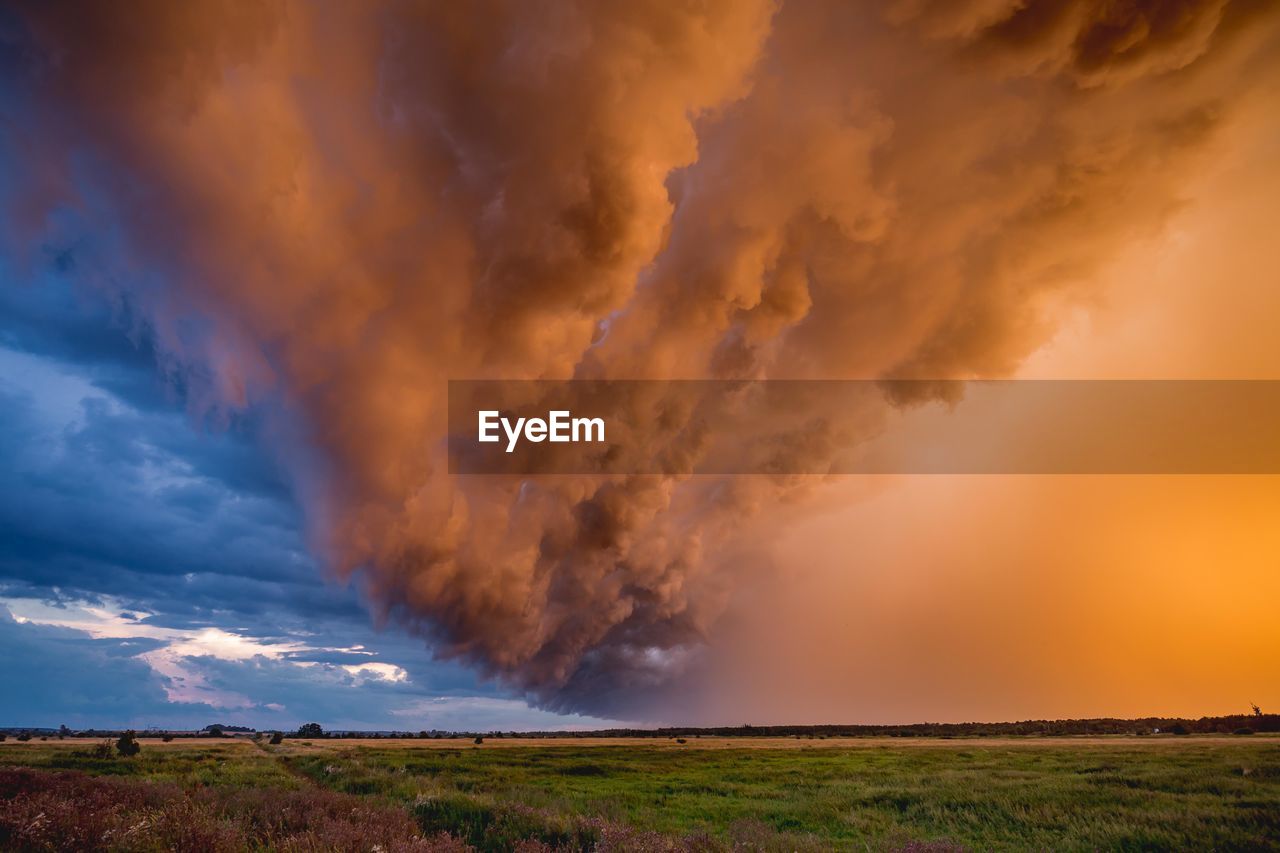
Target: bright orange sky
1011,597
319,214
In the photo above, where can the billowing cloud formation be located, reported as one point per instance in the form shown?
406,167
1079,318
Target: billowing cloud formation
326,211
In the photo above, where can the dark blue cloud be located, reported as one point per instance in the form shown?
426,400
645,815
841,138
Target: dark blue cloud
110,494
68,678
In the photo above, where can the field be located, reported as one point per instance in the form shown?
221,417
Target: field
1160,792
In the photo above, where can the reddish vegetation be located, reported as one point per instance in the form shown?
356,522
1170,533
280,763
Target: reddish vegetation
72,811
68,810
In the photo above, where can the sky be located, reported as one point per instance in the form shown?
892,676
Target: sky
244,246
154,570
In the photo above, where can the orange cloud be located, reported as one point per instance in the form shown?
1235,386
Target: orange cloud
333,209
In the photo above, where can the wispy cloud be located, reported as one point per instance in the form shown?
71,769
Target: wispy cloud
180,652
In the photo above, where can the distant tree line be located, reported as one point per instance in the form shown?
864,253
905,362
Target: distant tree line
1229,724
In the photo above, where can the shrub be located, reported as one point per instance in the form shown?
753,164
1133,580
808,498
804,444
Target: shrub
478,740
1243,731
167,738
310,730
25,736
276,738
1179,729
128,745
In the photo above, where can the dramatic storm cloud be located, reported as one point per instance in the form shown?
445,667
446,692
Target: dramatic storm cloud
320,213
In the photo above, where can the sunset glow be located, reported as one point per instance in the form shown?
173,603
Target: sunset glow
245,246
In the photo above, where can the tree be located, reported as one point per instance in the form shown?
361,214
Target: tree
127,745
1257,712
63,731
310,730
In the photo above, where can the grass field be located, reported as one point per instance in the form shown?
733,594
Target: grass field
711,793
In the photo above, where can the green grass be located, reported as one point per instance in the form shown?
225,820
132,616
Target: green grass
1126,794
1123,796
